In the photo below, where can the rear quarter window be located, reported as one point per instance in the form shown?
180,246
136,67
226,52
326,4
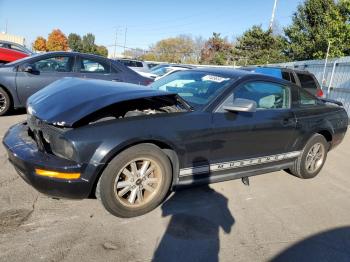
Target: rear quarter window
307,81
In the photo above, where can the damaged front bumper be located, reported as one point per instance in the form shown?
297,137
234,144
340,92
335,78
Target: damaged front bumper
27,159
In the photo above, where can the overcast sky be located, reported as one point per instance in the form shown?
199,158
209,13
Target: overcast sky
146,21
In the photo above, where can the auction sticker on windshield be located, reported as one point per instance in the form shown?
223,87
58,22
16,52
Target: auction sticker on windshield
212,78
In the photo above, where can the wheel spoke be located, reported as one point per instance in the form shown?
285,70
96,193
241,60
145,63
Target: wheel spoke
139,195
148,187
123,184
124,191
316,148
149,171
133,168
144,167
314,165
152,180
127,173
132,196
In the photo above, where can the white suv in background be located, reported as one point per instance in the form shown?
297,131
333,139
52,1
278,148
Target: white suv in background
138,66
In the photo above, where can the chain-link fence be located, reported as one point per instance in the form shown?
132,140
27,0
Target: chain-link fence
334,76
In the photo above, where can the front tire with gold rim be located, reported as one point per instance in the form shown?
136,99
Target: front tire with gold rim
135,181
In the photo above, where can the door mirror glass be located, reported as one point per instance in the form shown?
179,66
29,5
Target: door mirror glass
28,69
241,105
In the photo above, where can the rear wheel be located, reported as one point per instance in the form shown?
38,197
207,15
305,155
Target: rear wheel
135,181
312,158
5,102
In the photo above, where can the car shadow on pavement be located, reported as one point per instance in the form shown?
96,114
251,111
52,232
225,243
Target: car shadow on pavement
331,245
192,234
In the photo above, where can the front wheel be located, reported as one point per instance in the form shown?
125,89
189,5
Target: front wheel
5,102
135,181
312,158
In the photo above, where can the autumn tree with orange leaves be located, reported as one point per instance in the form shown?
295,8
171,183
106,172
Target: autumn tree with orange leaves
57,41
39,44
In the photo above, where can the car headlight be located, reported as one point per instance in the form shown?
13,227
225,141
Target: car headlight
63,148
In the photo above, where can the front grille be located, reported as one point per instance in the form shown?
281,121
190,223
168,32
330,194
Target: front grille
42,132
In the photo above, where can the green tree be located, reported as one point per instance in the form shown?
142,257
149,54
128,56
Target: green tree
174,50
314,24
88,44
57,41
257,46
74,42
101,50
217,50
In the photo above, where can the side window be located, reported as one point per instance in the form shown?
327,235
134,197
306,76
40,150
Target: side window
286,76
55,64
306,99
266,95
292,78
17,48
138,64
307,81
93,66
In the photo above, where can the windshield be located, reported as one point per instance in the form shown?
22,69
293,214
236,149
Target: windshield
158,67
161,71
196,88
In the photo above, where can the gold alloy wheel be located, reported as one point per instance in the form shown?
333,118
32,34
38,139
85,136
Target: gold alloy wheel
138,182
315,157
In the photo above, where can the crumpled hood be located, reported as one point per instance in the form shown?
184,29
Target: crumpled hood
68,100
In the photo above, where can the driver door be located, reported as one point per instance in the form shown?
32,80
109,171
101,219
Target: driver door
270,130
43,72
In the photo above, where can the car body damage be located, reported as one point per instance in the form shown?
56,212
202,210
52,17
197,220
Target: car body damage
71,102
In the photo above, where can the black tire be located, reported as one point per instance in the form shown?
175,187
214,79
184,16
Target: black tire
5,102
299,168
105,190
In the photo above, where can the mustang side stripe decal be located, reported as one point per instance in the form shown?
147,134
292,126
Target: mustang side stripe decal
237,163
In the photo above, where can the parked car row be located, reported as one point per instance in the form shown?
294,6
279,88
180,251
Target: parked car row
22,78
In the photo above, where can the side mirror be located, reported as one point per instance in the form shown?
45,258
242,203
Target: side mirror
241,105
28,69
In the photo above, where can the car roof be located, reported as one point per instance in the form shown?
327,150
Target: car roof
69,53
278,68
229,72
127,59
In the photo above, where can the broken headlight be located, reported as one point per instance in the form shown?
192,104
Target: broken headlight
63,148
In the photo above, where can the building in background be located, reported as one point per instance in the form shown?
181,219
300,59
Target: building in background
12,38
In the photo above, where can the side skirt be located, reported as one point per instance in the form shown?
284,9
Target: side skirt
225,176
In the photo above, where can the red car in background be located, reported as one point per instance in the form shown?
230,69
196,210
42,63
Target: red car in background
12,51
8,55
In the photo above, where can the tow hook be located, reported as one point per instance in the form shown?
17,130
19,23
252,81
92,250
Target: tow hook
245,180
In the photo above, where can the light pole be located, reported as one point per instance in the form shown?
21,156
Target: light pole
273,15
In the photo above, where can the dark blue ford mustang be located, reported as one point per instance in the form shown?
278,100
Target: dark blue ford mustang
130,145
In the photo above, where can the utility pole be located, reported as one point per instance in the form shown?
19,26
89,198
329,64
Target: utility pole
325,65
273,15
6,26
115,42
126,30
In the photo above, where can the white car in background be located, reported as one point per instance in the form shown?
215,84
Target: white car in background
136,65
168,70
